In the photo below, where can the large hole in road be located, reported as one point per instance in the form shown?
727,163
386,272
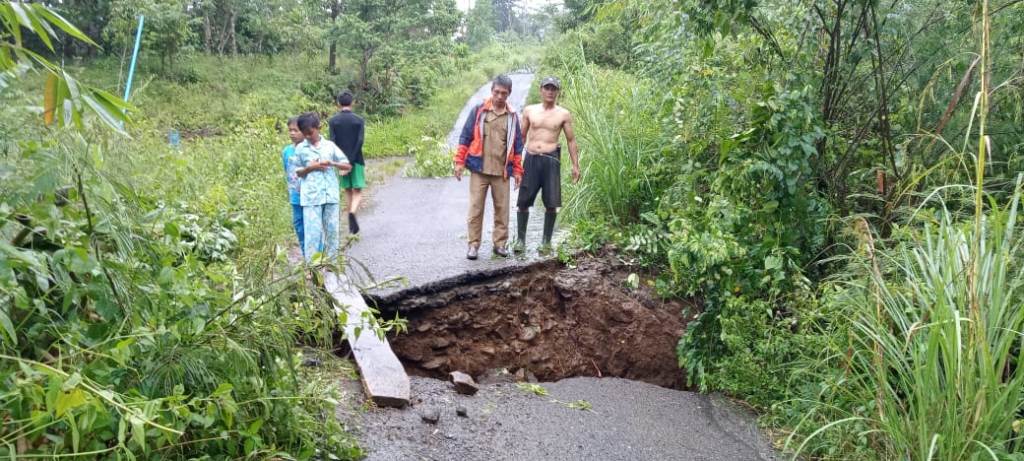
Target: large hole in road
548,320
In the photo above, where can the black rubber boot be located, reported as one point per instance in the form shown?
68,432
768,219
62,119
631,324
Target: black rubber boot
522,219
353,225
549,227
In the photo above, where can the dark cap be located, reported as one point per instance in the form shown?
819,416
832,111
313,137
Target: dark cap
553,81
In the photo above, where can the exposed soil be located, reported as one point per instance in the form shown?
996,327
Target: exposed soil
549,321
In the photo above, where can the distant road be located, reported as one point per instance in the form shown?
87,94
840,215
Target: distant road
520,88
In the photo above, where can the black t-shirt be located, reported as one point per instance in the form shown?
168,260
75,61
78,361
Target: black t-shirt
347,132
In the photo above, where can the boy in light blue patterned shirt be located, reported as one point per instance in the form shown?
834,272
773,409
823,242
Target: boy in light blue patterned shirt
315,162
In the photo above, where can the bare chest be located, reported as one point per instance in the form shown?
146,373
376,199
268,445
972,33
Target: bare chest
546,121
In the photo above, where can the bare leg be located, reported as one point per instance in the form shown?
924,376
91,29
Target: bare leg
355,197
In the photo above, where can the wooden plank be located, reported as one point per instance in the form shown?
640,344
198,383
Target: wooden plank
383,377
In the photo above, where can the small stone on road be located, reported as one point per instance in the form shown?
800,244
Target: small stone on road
430,415
464,383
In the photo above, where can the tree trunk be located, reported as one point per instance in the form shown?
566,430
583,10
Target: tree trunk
222,36
364,64
207,33
234,42
332,58
332,54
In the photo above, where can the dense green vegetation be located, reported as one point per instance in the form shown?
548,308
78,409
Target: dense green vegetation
837,182
148,306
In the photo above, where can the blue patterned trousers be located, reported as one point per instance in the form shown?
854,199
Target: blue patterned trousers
297,224
320,224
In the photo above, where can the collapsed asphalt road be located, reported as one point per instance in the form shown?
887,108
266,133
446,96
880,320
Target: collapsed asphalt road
417,229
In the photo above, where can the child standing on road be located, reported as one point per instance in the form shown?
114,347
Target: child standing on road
292,179
347,132
315,161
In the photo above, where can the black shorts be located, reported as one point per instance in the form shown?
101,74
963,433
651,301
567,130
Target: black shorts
542,173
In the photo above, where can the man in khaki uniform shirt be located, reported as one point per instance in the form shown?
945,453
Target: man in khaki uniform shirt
491,147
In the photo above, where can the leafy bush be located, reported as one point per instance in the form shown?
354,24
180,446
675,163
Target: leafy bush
724,210
130,331
433,159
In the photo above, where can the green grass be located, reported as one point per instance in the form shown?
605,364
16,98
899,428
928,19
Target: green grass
925,361
618,142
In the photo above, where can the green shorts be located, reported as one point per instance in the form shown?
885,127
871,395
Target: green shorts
355,179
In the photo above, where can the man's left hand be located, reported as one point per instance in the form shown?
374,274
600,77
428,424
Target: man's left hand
515,182
575,174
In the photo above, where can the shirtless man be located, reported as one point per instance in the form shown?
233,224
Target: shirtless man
543,125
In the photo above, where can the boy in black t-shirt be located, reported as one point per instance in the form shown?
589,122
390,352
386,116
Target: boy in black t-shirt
347,131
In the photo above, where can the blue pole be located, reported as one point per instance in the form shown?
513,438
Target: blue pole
135,56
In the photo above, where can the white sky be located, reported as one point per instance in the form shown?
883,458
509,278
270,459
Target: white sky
465,5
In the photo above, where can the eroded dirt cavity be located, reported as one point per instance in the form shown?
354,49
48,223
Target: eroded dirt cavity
549,321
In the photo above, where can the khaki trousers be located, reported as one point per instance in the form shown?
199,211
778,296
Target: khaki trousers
478,185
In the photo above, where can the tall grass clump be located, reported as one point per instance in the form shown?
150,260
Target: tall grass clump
926,363
615,122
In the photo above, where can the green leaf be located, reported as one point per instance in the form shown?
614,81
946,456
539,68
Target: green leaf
223,389
138,431
254,428
72,382
21,14
11,21
62,23
76,437
112,100
81,261
122,431
69,400
110,118
41,28
8,328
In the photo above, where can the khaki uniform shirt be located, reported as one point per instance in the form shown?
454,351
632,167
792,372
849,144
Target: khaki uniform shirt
495,143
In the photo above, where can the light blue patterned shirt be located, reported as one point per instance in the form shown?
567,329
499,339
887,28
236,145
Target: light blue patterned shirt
318,187
290,177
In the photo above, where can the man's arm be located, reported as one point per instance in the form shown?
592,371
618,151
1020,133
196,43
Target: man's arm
526,122
465,139
574,149
518,146
362,135
340,161
300,169
313,166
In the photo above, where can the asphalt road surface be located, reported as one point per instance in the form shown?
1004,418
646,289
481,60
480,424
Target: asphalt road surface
416,228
